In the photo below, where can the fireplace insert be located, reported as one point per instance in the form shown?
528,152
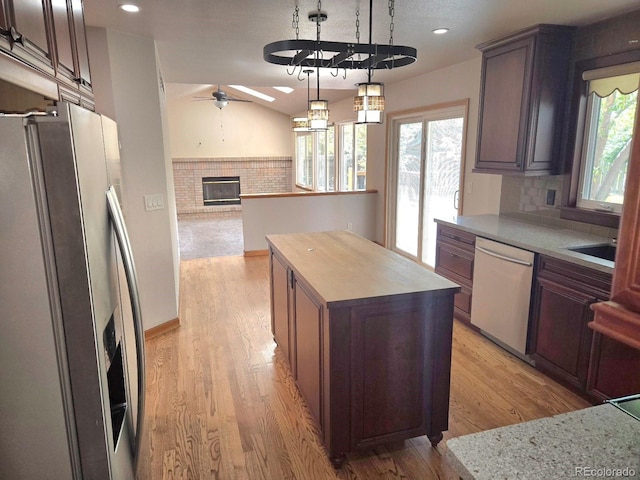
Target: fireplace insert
221,190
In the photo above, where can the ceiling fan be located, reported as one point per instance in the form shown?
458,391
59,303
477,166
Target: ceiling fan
221,99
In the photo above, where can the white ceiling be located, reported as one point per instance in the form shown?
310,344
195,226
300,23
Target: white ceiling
202,43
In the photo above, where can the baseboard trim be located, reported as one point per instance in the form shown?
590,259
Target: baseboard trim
162,328
255,253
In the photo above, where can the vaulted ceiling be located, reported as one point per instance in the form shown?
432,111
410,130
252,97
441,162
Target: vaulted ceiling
203,43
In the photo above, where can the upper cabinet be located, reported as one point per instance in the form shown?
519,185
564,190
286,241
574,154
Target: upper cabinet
25,27
47,38
522,94
82,70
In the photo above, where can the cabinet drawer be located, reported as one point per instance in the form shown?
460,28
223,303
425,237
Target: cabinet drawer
462,300
460,238
453,262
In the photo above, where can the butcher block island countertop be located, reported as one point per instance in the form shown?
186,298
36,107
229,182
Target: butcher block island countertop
343,267
367,334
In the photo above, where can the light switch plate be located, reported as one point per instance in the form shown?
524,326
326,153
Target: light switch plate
154,201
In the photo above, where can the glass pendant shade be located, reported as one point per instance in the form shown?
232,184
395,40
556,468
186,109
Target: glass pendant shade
221,103
369,103
318,114
300,124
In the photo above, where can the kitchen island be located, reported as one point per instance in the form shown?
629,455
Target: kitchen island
367,334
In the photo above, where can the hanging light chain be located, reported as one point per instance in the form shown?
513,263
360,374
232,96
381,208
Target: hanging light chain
318,21
295,24
392,14
358,26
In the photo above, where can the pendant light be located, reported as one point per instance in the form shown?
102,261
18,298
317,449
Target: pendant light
369,103
318,113
301,124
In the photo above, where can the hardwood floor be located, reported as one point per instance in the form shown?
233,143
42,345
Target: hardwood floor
221,402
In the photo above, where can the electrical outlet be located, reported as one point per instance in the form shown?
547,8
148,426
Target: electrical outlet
551,197
350,226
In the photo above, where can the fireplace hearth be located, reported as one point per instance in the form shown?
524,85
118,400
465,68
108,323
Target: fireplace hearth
221,190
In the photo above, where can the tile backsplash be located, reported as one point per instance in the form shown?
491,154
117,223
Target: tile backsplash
526,198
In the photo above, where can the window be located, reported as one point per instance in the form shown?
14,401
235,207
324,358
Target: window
608,132
353,157
326,161
304,160
332,160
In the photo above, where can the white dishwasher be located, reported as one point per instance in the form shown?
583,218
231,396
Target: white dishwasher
502,277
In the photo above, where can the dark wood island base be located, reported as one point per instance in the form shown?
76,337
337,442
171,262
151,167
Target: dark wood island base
368,337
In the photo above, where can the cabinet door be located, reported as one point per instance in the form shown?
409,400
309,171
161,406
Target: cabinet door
63,37
280,304
504,106
82,51
308,349
390,383
29,30
562,339
4,18
614,370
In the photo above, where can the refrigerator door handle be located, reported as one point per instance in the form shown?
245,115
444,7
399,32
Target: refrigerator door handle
117,218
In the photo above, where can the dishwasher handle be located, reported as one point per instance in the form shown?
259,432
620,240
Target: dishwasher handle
503,257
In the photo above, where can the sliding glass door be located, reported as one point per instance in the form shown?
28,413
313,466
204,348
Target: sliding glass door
425,178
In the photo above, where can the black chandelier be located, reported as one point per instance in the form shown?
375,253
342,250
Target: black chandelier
347,55
301,53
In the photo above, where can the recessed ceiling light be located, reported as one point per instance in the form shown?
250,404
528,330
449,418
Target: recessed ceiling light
286,90
255,93
130,7
440,31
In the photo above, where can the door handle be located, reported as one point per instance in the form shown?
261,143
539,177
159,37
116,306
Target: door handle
504,257
456,199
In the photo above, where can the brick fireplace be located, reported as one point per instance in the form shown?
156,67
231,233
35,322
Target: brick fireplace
255,174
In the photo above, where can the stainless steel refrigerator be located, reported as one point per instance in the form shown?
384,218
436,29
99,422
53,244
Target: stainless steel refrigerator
71,343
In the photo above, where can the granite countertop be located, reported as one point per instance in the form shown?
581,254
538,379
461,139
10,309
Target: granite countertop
537,238
599,442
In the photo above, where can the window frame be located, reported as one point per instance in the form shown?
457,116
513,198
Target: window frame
587,158
298,136
573,148
356,155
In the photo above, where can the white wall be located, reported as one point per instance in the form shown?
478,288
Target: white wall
461,81
457,82
127,87
199,129
306,213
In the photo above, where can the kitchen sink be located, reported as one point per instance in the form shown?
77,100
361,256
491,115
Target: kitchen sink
605,251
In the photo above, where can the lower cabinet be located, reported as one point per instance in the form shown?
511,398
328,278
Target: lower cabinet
455,255
280,298
614,369
307,367
562,338
564,347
